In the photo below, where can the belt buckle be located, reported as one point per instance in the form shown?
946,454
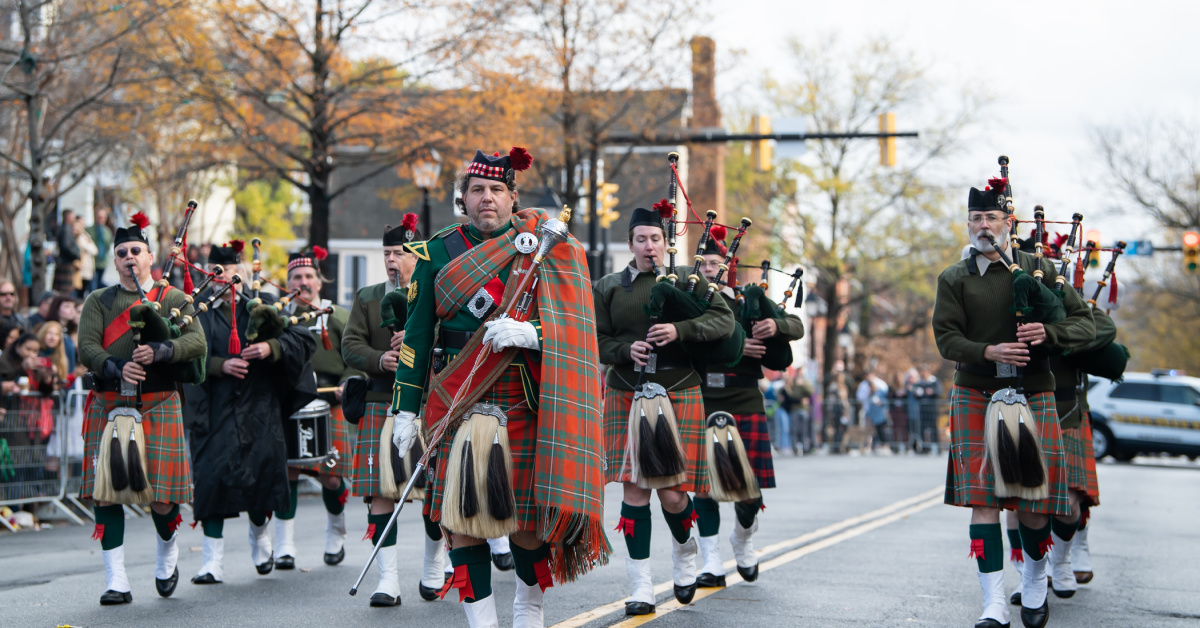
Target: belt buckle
715,380
127,389
1004,371
651,365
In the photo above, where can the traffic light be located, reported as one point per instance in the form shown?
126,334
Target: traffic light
608,204
1191,252
887,145
1093,256
760,150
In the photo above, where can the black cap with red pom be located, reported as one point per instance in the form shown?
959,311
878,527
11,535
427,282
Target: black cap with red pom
500,168
405,233
227,254
138,231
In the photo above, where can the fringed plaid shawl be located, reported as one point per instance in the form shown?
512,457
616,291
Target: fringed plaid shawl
569,481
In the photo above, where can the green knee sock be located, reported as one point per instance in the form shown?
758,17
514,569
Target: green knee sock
1064,530
432,529
375,526
110,526
747,511
214,528
635,527
1014,544
987,546
1035,542
680,522
708,516
290,513
335,499
166,524
478,559
526,562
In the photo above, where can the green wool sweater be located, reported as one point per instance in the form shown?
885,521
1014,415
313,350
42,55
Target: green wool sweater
621,321
364,341
102,306
746,400
1071,403
973,311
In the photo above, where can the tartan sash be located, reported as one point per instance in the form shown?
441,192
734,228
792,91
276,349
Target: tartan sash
120,325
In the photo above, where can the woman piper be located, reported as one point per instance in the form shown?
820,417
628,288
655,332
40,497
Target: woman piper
641,353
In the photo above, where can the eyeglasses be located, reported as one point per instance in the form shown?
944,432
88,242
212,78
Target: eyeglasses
991,219
8,294
131,251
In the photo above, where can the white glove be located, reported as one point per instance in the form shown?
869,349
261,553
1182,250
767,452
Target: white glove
507,332
404,431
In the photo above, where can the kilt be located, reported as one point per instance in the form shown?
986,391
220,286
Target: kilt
1091,485
364,474
969,479
167,466
753,430
339,431
507,392
689,415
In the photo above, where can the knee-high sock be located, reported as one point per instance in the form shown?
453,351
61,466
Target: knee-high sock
1014,545
290,513
680,522
747,511
526,562
1035,542
214,527
110,526
334,498
708,516
1064,530
433,530
166,524
375,526
477,560
987,546
635,527
259,519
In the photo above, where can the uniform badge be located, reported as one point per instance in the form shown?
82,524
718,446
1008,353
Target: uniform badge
526,243
480,304
412,291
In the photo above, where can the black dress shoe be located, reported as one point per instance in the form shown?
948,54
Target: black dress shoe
167,587
380,600
639,608
266,567
1083,577
205,578
749,575
428,594
685,594
1035,617
333,559
285,562
112,598
709,581
503,562
988,622
1015,599
1061,594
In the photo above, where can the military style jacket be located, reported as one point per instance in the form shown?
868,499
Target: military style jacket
366,340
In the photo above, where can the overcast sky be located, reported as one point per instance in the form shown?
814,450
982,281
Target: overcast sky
1056,69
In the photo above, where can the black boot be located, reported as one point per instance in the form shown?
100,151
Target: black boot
333,559
167,587
710,581
1035,617
383,599
112,598
639,608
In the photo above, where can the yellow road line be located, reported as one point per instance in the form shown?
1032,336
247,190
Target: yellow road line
731,565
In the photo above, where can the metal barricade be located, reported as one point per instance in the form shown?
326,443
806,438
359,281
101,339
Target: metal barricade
35,455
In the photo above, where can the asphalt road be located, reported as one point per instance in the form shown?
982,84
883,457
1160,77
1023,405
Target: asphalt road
853,541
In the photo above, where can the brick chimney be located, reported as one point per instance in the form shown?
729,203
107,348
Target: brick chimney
706,162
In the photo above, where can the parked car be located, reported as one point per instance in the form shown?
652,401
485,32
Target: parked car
1156,412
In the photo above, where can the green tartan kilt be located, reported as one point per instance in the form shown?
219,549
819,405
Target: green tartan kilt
969,480
507,392
688,404
339,431
1081,460
167,466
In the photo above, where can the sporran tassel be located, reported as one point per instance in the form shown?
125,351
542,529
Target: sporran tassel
651,465
735,464
137,475
398,466
1010,470
666,446
724,467
1032,472
469,503
501,502
116,463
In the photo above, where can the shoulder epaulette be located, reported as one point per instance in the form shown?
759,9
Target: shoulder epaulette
446,230
420,249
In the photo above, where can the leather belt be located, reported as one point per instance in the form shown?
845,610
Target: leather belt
726,380
1066,394
103,385
989,369
450,339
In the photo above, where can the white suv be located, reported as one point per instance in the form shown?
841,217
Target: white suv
1155,412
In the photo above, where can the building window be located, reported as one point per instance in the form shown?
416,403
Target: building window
356,276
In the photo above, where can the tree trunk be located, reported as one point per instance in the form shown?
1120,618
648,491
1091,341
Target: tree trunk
830,349
318,229
320,168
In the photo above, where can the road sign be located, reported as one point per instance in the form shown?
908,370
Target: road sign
1140,247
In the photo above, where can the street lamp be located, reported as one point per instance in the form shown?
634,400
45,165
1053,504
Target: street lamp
425,173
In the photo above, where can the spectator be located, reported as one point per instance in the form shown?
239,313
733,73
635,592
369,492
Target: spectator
8,334
8,305
43,310
87,259
928,391
66,266
51,340
795,399
872,396
837,406
22,361
102,238
65,310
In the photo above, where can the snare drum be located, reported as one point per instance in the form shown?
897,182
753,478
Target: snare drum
308,436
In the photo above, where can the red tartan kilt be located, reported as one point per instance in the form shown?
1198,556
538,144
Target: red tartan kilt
753,430
507,392
364,474
688,404
167,466
969,480
1092,484
339,431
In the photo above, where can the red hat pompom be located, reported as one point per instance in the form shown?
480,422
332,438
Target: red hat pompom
237,245
664,209
141,220
319,252
998,183
519,158
410,222
718,232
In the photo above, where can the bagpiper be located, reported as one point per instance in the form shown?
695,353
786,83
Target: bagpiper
237,416
1007,450
523,458
133,429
